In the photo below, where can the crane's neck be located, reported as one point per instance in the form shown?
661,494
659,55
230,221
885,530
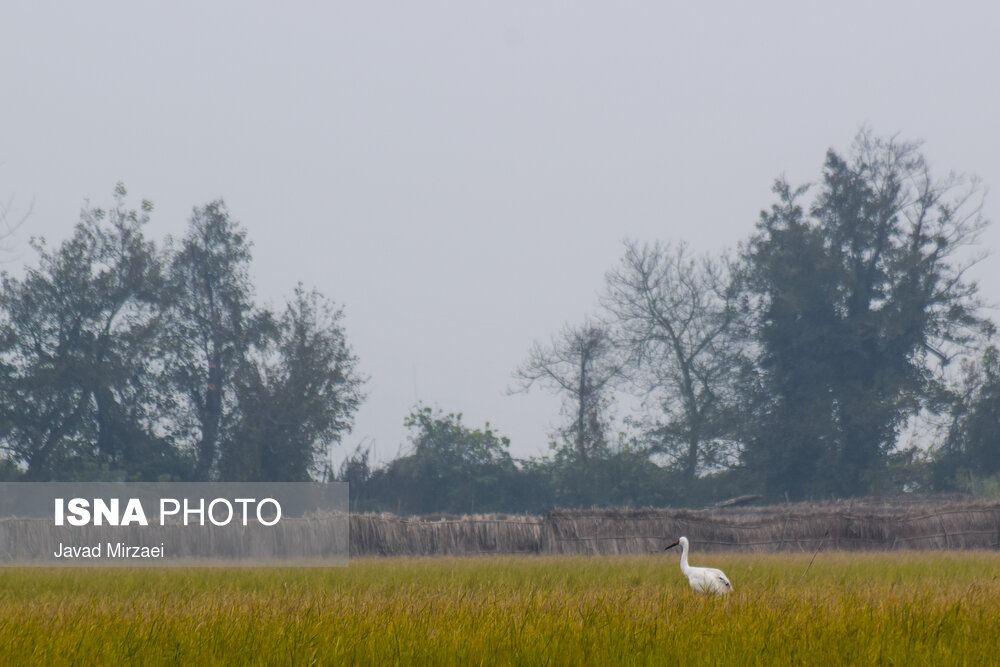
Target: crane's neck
684,558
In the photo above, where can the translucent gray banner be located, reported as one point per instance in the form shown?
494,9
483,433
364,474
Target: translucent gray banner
162,524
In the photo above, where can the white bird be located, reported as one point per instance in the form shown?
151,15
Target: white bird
702,579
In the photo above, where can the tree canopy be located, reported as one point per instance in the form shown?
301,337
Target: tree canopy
860,296
119,360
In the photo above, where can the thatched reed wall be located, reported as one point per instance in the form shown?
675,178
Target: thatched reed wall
389,535
861,525
644,531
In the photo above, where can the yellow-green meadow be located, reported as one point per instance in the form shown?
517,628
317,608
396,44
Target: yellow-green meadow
876,608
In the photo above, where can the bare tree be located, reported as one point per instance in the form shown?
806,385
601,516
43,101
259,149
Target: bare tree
678,317
582,363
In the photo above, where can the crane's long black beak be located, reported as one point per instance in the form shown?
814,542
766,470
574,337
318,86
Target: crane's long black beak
673,545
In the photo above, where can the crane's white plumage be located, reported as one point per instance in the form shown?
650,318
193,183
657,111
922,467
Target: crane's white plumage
702,579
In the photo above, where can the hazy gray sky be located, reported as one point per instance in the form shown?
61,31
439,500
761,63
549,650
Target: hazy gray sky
460,176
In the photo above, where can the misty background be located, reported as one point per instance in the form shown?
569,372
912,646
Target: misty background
460,177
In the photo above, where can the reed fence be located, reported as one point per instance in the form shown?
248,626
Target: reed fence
864,525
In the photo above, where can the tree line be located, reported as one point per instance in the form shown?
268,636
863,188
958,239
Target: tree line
788,368
124,360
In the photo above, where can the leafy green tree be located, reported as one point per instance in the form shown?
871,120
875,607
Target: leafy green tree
972,448
296,396
76,340
356,470
796,330
621,475
212,326
857,295
119,362
451,468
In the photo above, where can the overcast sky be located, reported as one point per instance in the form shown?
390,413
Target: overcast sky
460,175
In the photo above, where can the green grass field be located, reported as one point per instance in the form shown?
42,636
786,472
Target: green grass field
889,609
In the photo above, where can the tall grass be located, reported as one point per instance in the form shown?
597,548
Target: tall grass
912,608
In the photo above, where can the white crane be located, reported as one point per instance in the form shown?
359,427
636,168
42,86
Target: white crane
702,579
